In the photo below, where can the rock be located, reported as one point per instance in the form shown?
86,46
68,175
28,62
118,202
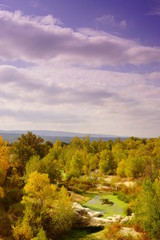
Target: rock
124,220
81,217
85,217
129,184
94,213
118,217
126,231
115,218
127,218
77,206
100,221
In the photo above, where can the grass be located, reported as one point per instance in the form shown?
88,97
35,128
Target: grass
107,210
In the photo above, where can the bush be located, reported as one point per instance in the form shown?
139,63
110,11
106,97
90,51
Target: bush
41,235
129,209
81,184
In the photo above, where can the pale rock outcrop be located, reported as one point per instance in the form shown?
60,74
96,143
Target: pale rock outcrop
85,217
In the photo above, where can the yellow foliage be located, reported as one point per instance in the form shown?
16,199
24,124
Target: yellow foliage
38,185
121,168
1,193
4,160
44,204
22,231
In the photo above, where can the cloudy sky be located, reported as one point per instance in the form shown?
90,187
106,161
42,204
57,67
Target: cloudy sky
80,66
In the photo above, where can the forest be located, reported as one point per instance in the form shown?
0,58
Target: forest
39,180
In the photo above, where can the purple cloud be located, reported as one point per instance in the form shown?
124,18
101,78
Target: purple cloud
39,39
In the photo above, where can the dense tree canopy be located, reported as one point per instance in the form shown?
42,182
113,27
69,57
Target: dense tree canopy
32,204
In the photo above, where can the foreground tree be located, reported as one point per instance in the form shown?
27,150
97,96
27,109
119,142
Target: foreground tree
4,160
147,208
46,210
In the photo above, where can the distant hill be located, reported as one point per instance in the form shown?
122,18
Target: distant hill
12,136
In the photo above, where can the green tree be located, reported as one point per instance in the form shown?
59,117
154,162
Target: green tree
107,163
93,161
76,143
26,147
135,164
147,208
121,168
74,166
46,165
94,147
119,151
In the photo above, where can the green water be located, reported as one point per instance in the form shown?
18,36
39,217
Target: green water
117,206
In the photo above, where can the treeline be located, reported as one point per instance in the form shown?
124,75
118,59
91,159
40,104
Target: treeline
32,206
130,158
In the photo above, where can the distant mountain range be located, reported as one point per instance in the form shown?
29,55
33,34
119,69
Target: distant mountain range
12,135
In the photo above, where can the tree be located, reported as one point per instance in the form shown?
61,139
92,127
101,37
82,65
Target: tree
107,163
147,208
56,150
26,147
74,166
121,168
93,161
4,160
94,147
51,166
119,152
45,209
46,165
76,143
135,164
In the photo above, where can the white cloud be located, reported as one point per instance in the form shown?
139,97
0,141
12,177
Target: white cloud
106,19
39,39
77,99
154,76
123,24
111,20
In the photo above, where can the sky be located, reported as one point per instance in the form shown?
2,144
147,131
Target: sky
89,66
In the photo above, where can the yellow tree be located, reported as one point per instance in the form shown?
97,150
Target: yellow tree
45,209
4,160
